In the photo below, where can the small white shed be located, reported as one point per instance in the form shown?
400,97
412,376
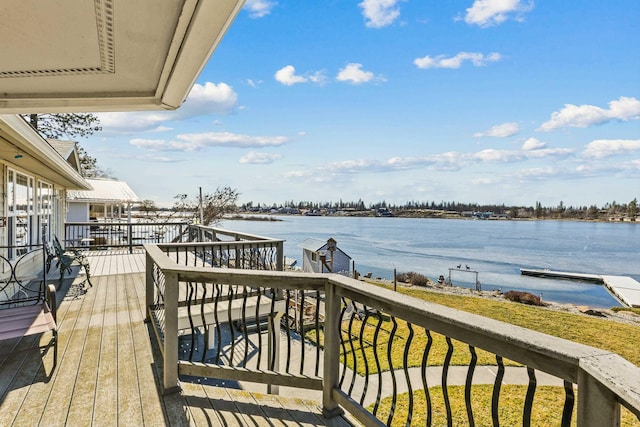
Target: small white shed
324,257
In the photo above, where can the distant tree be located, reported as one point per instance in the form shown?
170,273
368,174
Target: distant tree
592,212
538,211
89,166
148,206
632,208
214,206
67,125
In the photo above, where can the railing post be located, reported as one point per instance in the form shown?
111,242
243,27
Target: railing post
149,287
130,239
280,255
597,405
170,368
330,407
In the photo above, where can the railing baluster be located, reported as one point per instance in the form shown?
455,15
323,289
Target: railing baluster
425,386
245,332
189,304
317,333
259,328
275,351
353,349
528,401
364,354
344,305
394,396
569,400
495,397
468,385
302,340
445,389
218,290
405,361
231,328
205,326
377,360
287,318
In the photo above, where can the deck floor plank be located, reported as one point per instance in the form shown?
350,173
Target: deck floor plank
226,409
152,413
106,398
82,404
129,405
21,379
201,411
251,410
72,333
274,410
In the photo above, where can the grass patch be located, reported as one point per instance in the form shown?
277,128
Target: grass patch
360,345
619,338
547,407
627,309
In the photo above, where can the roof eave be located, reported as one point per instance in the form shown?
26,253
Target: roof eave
33,144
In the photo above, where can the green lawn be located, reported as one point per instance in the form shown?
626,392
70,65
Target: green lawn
601,333
546,411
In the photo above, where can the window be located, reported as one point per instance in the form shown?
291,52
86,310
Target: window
29,214
45,210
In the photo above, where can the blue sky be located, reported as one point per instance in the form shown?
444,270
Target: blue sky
488,101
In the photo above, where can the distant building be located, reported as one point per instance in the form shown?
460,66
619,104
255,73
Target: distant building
109,199
335,260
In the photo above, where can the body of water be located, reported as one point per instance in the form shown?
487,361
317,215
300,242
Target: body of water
496,249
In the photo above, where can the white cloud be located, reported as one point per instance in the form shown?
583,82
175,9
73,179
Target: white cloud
538,173
353,73
259,8
319,77
601,148
200,141
287,76
256,158
504,130
493,155
149,144
533,144
440,61
581,116
209,98
486,13
379,13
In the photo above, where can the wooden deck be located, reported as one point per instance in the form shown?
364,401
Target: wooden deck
108,367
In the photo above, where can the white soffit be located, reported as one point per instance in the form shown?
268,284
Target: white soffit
105,55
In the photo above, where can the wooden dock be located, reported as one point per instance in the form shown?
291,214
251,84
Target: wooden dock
623,288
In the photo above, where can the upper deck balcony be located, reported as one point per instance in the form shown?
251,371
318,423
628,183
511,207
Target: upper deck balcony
222,317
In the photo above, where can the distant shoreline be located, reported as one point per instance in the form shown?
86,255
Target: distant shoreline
266,216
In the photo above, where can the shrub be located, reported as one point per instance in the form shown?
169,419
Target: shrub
415,279
523,298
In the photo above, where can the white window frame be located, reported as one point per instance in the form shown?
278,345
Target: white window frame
25,218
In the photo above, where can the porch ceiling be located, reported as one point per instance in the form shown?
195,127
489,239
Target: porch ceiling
103,55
